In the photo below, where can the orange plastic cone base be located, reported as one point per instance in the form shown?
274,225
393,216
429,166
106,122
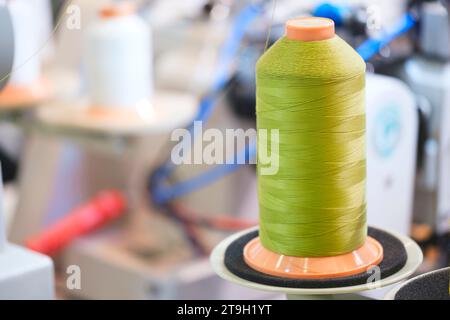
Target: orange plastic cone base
19,96
357,261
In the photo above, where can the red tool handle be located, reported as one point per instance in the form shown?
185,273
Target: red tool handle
103,208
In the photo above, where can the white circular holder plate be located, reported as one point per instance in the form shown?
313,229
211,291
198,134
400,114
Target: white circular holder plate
169,110
414,259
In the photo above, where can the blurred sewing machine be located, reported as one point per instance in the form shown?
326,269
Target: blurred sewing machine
145,255
427,73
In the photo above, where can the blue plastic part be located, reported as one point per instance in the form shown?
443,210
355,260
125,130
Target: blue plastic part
371,47
331,11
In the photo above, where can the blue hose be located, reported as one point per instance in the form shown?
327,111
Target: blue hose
371,47
228,52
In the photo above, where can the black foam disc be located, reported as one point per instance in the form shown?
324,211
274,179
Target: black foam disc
430,286
394,258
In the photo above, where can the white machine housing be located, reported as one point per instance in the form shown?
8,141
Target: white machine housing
392,131
24,274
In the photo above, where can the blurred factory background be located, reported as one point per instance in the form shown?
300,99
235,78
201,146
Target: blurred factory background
67,133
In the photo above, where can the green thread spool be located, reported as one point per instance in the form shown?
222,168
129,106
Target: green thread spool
313,92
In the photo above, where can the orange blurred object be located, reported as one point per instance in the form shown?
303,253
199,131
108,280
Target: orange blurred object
117,10
15,96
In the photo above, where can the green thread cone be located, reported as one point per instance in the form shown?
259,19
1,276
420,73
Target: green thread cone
313,92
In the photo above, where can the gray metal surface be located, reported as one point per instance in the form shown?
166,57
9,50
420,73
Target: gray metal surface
6,45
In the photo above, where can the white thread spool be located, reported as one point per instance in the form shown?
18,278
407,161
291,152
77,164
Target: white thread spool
27,60
118,59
